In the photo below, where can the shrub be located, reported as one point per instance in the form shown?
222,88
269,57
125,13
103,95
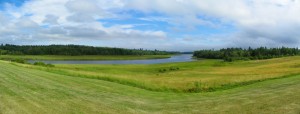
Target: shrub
39,63
43,64
18,60
169,69
162,70
50,65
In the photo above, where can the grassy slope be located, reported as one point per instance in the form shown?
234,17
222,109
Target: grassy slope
209,73
85,57
24,90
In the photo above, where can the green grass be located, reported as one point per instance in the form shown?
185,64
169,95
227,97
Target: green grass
24,90
196,76
85,57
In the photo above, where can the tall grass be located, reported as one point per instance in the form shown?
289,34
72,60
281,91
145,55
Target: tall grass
198,76
28,90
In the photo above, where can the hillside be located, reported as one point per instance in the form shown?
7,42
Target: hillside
26,90
197,76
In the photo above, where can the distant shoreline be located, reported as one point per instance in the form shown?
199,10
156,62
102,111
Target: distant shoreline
83,57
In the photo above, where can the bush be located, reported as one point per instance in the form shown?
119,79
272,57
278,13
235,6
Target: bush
162,70
39,63
173,68
168,69
43,64
50,65
18,60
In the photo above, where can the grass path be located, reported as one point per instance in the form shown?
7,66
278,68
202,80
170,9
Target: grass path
24,90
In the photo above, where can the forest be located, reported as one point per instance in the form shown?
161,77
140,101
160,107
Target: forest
232,54
74,50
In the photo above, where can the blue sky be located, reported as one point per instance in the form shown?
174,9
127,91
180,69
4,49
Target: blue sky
17,3
177,25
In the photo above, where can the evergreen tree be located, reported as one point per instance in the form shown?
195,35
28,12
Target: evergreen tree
231,54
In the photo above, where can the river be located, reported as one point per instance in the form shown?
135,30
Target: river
175,58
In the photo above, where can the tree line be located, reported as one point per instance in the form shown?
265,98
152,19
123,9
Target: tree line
231,54
9,49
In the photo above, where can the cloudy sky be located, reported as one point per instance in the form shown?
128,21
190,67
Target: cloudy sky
181,25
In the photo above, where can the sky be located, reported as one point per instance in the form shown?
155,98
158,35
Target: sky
173,25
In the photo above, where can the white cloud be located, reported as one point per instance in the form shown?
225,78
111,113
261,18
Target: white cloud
258,22
51,20
72,20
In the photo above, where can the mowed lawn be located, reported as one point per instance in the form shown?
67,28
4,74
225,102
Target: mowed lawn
24,90
196,76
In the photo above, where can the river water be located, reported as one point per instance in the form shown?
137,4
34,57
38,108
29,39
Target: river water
175,58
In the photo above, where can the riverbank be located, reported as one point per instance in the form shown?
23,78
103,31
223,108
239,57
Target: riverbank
172,59
85,57
195,76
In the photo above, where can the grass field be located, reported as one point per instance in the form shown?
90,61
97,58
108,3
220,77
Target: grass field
197,76
26,90
85,57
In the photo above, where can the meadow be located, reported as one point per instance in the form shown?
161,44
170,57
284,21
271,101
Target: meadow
197,76
83,57
29,90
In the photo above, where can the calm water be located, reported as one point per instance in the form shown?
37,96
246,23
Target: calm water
175,58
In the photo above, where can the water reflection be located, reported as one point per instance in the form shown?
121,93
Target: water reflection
175,58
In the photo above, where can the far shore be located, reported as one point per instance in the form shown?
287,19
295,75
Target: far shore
84,57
